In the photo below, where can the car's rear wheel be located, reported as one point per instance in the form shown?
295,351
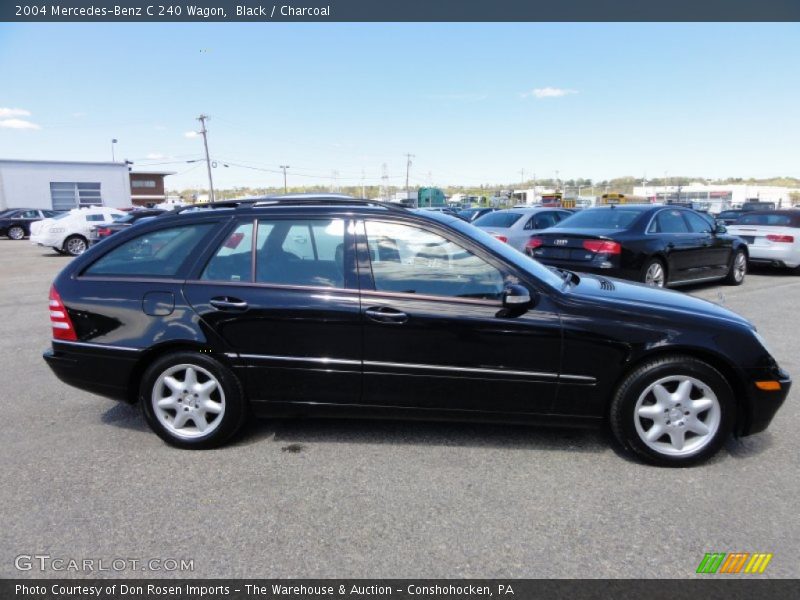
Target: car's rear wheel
16,232
192,401
75,245
738,269
654,273
675,411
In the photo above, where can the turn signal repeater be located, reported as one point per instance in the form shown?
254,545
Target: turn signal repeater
769,386
59,318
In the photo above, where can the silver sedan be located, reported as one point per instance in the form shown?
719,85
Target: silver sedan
515,226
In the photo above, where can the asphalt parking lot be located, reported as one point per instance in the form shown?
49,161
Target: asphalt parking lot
85,478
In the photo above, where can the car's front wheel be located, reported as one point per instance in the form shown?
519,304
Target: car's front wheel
16,232
192,401
75,245
738,269
674,411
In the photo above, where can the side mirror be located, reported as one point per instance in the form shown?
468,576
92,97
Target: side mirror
720,228
516,297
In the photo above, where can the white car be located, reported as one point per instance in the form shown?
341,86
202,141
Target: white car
773,237
517,225
68,233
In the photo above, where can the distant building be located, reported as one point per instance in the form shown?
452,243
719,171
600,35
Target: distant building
62,185
716,198
147,187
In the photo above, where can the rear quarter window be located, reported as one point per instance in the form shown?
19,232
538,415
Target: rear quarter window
158,253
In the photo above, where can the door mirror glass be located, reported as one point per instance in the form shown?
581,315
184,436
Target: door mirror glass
516,297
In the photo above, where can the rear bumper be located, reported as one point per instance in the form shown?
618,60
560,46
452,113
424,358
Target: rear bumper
93,369
762,406
594,268
772,255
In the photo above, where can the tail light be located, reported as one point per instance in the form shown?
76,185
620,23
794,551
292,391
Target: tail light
103,231
787,239
534,243
602,246
59,318
502,238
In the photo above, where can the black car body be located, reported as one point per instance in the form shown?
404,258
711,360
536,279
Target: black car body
353,308
103,231
660,245
15,223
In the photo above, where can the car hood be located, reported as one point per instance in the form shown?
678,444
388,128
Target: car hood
621,292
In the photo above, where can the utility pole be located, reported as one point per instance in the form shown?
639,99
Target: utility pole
113,142
363,195
203,132
285,189
408,170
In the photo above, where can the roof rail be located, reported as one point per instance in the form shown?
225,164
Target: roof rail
214,205
320,200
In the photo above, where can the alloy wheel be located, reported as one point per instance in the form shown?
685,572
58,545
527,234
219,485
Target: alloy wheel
739,267
677,415
188,401
16,233
76,246
655,275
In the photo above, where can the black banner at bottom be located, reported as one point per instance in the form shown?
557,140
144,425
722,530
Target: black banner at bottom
724,588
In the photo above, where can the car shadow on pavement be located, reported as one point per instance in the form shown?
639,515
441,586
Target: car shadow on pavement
126,416
749,446
294,433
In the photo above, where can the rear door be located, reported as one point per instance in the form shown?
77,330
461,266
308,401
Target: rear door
282,293
715,256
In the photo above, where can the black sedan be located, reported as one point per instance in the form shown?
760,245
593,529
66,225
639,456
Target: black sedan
103,231
361,309
729,217
657,245
15,223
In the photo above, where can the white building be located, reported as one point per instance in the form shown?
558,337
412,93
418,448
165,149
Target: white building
716,198
61,185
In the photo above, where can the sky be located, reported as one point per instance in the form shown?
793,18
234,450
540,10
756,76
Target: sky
474,103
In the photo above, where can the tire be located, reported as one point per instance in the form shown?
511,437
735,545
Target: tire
654,273
738,268
16,232
75,245
694,397
168,391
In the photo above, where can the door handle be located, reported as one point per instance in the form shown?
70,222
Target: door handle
225,303
386,315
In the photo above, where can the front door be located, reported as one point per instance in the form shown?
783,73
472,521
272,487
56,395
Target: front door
282,293
435,334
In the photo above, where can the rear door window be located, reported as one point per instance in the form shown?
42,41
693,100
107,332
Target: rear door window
158,253
233,260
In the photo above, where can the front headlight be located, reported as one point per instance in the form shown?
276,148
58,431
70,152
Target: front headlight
56,230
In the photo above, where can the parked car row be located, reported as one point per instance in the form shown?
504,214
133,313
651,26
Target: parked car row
15,223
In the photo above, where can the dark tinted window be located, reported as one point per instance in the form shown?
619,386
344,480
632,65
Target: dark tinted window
416,261
543,220
234,258
698,224
603,218
776,220
669,221
729,214
30,214
301,252
155,254
498,219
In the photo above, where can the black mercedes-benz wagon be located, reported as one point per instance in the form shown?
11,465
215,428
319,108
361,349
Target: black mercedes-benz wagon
340,307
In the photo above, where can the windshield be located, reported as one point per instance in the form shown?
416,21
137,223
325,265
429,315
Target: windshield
602,218
498,219
515,257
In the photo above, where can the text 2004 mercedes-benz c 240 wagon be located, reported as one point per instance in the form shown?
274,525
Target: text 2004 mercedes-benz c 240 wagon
343,307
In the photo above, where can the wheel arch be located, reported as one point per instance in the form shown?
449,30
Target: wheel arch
149,356
714,359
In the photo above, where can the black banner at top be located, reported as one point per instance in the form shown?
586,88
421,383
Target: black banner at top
159,11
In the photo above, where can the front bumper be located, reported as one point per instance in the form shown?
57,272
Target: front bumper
761,407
